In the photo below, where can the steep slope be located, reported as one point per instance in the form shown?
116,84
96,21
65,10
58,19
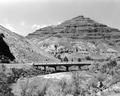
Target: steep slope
79,28
19,48
79,37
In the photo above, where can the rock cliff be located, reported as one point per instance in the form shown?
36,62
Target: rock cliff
78,37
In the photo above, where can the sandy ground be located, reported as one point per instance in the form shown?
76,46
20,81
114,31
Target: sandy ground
58,76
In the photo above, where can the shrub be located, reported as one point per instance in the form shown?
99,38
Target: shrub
5,90
80,89
65,59
94,67
67,87
79,59
28,88
112,64
88,58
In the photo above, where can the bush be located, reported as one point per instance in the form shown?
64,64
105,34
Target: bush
65,59
88,58
28,88
95,67
67,87
5,90
79,59
80,89
112,64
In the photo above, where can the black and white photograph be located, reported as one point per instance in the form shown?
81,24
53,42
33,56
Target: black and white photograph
59,47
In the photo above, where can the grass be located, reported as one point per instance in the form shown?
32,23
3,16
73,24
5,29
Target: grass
63,86
98,77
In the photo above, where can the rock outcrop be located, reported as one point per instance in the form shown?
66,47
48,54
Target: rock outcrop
18,49
79,28
73,39
79,36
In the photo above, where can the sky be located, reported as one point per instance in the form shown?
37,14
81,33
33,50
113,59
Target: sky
25,16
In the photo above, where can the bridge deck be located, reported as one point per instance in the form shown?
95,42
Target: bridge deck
27,65
63,63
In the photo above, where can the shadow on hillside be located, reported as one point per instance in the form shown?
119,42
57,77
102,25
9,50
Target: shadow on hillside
5,55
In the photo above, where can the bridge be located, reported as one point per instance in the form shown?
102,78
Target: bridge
65,64
46,65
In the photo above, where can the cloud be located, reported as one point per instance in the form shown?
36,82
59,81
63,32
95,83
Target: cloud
13,29
59,23
10,27
7,24
43,26
36,26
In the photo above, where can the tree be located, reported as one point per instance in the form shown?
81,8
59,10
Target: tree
79,59
88,58
5,90
72,59
65,59
112,63
56,47
76,49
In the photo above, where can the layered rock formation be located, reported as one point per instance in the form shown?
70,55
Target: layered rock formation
78,37
79,28
74,39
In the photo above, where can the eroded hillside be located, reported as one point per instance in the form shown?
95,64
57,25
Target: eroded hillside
18,49
77,37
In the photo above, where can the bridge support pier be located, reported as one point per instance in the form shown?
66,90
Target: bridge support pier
55,68
67,68
45,68
66,65
79,67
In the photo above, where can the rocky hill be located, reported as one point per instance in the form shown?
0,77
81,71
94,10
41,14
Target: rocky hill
78,37
17,49
79,28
